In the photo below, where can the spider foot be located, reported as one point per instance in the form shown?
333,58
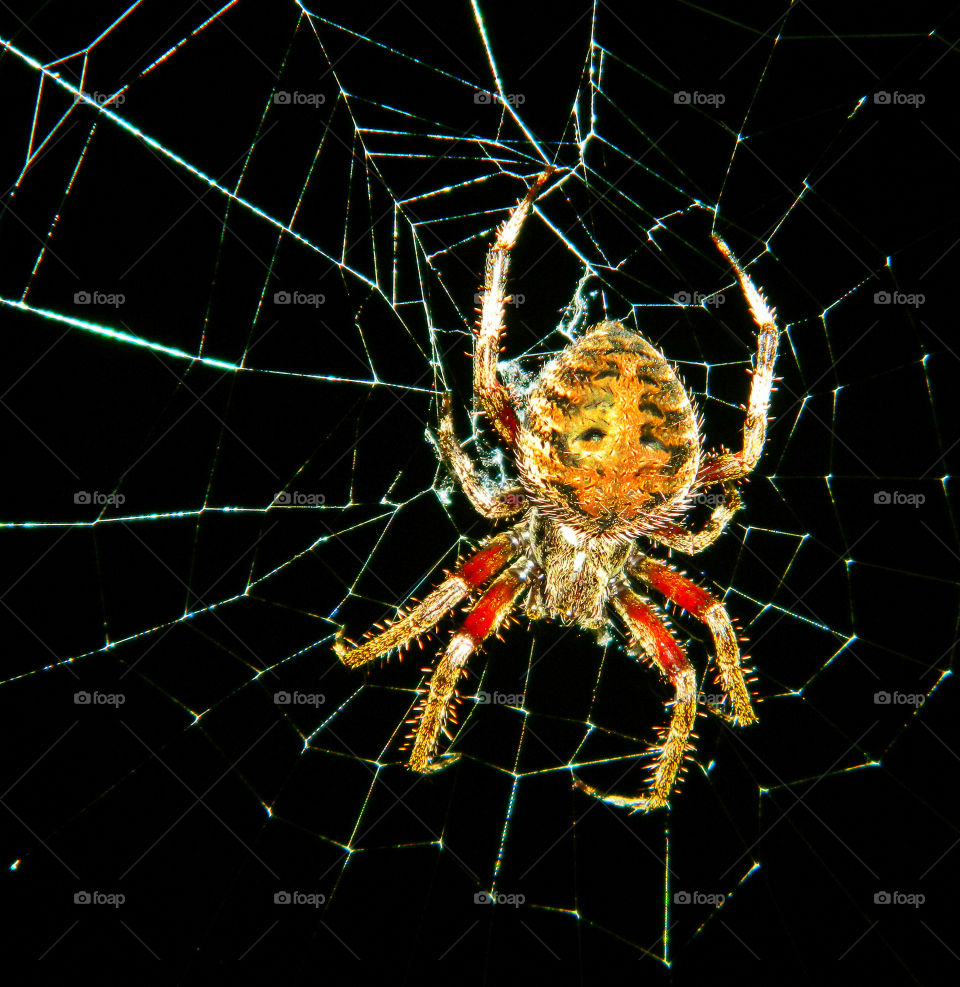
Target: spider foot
744,718
635,803
735,718
342,646
736,714
439,764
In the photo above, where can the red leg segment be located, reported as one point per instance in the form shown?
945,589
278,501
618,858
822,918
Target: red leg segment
475,571
488,561
649,632
705,607
486,616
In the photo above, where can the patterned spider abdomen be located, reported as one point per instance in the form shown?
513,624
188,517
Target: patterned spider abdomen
609,445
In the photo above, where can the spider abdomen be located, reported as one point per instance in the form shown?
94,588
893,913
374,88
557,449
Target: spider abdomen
610,445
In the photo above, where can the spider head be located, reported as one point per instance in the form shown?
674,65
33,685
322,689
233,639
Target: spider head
609,446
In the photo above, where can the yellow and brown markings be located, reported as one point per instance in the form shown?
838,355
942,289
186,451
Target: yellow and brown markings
610,432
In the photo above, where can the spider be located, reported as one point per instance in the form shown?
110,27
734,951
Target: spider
608,452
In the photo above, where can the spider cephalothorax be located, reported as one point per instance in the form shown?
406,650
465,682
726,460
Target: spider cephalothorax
607,449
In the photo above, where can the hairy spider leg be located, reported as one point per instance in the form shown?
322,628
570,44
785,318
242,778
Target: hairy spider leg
707,608
755,426
492,397
487,614
718,467
728,467
498,504
482,566
691,542
650,634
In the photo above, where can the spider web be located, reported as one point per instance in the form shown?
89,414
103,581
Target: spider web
241,255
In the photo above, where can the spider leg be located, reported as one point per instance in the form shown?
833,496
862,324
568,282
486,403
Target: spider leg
692,542
504,503
708,609
655,639
725,467
480,567
491,395
732,466
487,614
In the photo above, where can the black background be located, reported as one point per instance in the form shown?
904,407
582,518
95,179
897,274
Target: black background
400,174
